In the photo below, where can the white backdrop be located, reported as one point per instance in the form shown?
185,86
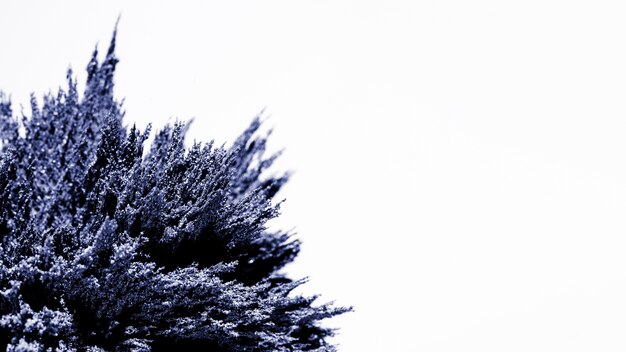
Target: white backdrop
460,166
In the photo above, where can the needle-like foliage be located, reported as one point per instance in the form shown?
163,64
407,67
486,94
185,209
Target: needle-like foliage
107,248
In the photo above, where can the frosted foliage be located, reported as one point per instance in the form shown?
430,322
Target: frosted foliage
107,248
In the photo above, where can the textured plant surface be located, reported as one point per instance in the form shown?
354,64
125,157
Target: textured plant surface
107,248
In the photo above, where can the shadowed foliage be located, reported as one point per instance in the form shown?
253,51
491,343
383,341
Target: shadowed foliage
106,247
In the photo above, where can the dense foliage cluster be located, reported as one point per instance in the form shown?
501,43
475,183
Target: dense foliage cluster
107,248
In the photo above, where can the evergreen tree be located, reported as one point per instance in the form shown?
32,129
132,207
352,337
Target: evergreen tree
107,248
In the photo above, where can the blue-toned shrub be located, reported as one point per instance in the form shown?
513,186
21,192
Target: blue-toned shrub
107,248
